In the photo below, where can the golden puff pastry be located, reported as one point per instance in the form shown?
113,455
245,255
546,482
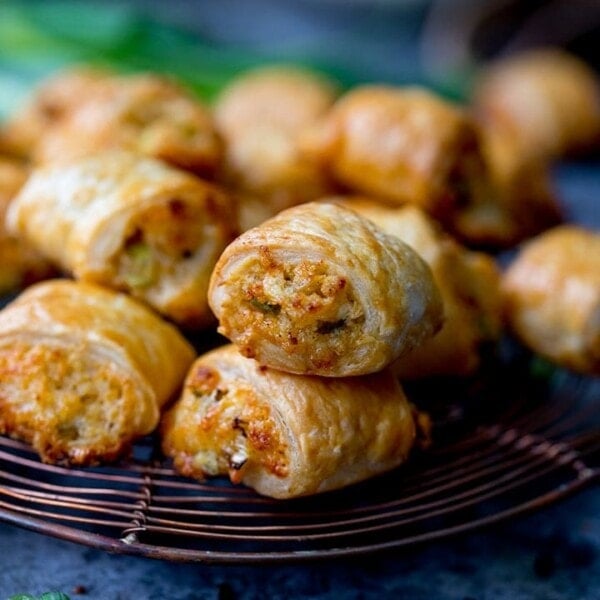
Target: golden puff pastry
320,290
84,370
130,223
52,102
260,116
469,283
20,265
285,435
546,99
523,202
552,297
142,113
404,146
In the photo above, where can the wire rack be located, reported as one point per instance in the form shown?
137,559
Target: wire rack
504,445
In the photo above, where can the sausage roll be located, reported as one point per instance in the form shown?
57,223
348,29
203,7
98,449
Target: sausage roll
552,297
285,435
142,113
51,103
320,290
130,223
469,285
547,99
524,201
20,265
404,146
260,115
84,370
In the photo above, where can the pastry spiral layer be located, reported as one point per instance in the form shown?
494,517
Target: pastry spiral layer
320,290
84,371
285,435
132,224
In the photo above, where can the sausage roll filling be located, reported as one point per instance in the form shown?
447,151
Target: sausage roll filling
241,426
318,289
64,399
295,304
285,435
161,245
84,371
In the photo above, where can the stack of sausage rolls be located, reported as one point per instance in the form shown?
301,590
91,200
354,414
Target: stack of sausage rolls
340,241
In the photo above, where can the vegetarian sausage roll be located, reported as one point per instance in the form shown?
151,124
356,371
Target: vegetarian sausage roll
20,265
84,370
552,297
143,113
285,435
130,223
404,146
524,201
260,115
51,103
547,99
469,283
320,290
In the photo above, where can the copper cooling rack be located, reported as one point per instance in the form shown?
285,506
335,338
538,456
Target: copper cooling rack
505,444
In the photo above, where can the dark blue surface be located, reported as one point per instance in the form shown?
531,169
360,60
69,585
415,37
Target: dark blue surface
551,555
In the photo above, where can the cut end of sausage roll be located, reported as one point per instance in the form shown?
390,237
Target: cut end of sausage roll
133,224
285,435
320,290
85,371
70,404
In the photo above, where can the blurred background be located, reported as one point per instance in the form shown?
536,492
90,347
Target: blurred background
439,43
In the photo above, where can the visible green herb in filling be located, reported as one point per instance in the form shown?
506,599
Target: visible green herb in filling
68,431
140,268
266,307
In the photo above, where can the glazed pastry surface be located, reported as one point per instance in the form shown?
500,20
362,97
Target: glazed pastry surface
524,201
84,371
285,435
320,290
546,99
403,145
20,264
260,116
82,112
552,297
469,283
130,223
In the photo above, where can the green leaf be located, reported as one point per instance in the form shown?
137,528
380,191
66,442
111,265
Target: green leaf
53,596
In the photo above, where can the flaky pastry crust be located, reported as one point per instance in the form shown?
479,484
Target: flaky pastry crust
469,283
547,99
130,223
552,297
285,435
20,264
84,371
319,289
403,145
82,112
260,116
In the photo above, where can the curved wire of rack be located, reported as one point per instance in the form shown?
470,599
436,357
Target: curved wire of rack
504,456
